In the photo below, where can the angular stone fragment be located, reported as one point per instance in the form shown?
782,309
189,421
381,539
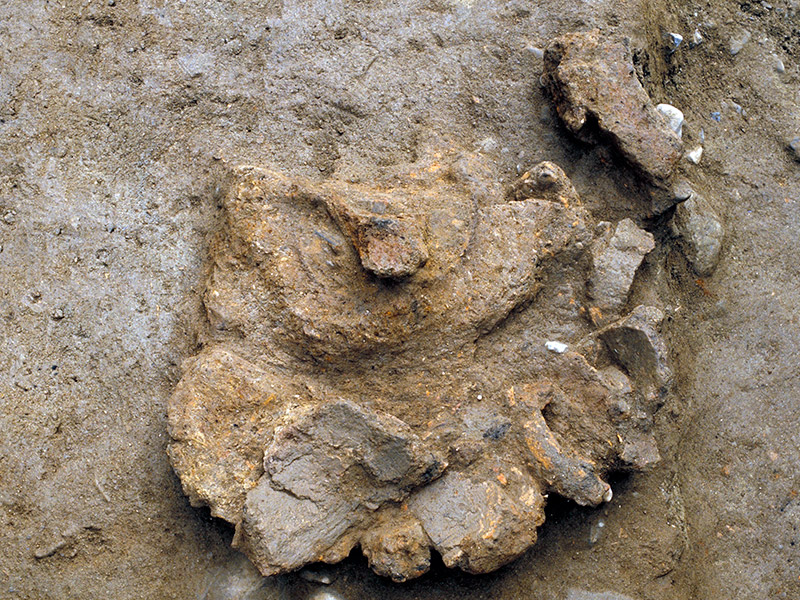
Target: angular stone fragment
701,234
593,81
615,258
479,526
388,246
636,343
325,472
640,452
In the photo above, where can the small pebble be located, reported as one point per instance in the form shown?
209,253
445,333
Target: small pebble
595,531
717,116
325,595
701,234
10,217
673,115
537,52
682,191
697,38
557,347
57,314
738,41
777,63
674,40
693,156
794,146
317,575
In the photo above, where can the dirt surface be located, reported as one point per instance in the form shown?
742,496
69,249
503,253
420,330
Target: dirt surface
119,123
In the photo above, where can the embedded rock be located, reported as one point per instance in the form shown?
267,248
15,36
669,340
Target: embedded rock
636,343
615,258
593,83
479,526
700,233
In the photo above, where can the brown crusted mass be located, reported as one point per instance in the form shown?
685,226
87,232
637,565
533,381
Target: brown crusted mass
376,372
593,83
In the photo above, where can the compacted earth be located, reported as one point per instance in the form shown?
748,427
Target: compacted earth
445,293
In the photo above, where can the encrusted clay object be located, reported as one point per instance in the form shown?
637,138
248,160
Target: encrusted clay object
374,368
594,86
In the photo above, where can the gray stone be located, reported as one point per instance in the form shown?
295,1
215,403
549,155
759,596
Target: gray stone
238,579
700,232
636,343
616,257
318,574
478,525
794,146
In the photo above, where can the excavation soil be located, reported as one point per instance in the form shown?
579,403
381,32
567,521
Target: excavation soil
119,124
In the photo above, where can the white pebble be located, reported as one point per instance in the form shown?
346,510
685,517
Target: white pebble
674,40
537,52
697,38
325,595
317,576
557,347
673,115
488,144
694,155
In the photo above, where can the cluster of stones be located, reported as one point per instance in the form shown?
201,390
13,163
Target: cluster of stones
342,396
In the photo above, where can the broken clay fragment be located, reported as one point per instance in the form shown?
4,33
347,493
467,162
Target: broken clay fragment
636,343
547,181
479,526
570,476
615,258
326,471
388,246
220,416
593,81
